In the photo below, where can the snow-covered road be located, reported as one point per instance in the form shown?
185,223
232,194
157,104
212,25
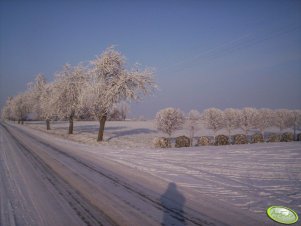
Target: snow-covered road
47,180
32,193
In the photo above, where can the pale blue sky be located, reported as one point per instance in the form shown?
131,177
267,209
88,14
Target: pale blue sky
206,53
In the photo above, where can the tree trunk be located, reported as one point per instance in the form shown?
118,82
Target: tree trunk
70,125
18,121
102,122
22,122
47,124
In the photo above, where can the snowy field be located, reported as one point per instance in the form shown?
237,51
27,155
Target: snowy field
251,176
117,133
125,134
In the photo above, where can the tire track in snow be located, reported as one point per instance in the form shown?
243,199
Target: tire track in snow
193,219
87,213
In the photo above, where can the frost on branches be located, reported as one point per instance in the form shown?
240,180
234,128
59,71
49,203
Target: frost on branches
7,112
36,89
67,87
213,119
21,106
295,120
119,112
231,119
263,119
110,83
169,120
282,119
247,117
46,102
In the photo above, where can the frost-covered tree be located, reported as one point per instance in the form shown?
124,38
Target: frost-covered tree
21,106
119,111
213,119
36,89
114,114
46,104
247,117
6,112
67,87
124,109
193,123
281,119
263,119
295,120
168,120
231,119
110,83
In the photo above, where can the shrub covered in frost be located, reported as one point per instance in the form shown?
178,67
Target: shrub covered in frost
257,138
161,142
240,139
274,137
169,120
287,137
204,141
221,140
182,141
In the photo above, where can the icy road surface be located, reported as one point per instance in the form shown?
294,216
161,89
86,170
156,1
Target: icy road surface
46,180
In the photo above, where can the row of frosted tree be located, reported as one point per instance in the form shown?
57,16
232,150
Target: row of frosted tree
94,89
169,120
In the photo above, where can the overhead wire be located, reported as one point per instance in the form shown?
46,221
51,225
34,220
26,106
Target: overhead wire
244,41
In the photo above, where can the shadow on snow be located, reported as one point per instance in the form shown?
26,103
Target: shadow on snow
173,202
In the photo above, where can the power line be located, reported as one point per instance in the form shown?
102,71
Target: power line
242,42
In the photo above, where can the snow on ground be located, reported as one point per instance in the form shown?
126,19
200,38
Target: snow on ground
252,176
124,134
117,133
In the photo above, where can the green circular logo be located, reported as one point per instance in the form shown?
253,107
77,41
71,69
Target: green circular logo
282,214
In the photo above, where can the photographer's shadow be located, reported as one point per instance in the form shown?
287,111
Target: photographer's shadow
173,202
